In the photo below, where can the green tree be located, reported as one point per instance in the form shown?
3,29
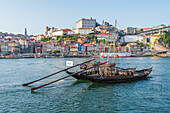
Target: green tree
106,23
58,37
166,37
55,51
141,30
42,39
75,37
137,41
148,44
103,41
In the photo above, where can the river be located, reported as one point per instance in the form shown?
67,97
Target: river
69,95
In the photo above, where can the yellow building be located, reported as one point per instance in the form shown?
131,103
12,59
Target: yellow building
74,49
154,38
38,37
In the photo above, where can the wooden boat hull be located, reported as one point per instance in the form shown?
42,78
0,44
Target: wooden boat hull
78,76
96,78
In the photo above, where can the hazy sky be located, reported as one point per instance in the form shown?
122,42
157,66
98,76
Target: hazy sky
36,14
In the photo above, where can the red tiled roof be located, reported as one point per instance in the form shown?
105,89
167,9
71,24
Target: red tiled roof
146,28
103,34
38,44
132,35
64,30
85,28
73,47
29,42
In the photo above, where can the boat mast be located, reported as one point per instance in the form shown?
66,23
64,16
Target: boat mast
101,40
115,39
100,46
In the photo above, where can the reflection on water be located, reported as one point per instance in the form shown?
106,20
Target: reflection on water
70,95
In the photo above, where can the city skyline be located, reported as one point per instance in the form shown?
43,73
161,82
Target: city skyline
35,15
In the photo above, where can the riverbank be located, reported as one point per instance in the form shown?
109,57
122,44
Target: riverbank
71,56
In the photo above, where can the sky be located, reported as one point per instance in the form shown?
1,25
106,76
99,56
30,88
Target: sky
35,15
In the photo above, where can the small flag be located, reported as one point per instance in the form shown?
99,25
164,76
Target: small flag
102,56
116,56
69,63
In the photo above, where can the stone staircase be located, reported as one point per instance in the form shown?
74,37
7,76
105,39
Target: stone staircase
159,47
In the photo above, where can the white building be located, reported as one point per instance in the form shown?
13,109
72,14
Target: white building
86,23
132,38
106,37
83,31
62,31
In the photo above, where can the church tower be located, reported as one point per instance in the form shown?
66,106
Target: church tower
25,32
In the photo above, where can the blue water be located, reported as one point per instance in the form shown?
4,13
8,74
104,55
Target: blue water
69,95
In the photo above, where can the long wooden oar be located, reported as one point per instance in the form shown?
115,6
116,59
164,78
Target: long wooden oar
56,73
34,88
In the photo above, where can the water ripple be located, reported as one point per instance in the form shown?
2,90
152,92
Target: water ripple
149,95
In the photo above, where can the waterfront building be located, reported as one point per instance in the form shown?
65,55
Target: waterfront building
130,48
86,23
73,49
91,47
47,48
38,47
4,48
0,34
13,46
133,48
22,43
109,49
29,47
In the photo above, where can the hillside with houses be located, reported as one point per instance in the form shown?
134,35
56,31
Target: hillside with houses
85,40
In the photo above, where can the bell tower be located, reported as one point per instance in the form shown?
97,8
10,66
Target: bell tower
25,32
